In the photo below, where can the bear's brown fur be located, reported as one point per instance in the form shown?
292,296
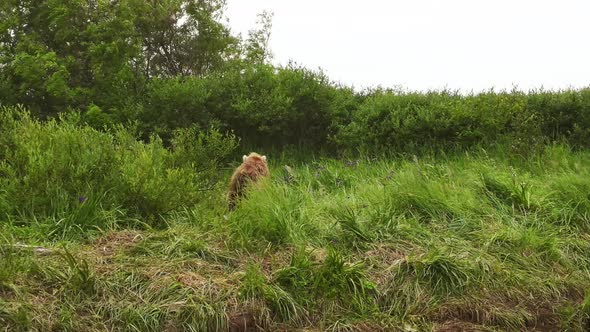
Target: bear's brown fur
253,167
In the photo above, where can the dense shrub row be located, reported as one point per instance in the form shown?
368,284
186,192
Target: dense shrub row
277,107
408,121
268,106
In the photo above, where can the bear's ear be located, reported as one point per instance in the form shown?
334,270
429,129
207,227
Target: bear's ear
264,158
244,157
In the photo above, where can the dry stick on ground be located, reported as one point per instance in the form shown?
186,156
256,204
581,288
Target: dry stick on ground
35,249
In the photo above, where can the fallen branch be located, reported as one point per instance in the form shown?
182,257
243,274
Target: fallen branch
35,249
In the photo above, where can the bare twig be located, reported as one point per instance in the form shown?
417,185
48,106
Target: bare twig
36,249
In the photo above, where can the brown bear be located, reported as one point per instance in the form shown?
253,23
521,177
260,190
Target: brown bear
253,167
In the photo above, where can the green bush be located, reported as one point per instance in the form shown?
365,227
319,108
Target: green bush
49,166
389,121
264,105
70,172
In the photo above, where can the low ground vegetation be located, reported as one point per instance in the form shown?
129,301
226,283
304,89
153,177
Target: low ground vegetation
478,241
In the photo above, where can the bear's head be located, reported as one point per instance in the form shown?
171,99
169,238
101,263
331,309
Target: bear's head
253,156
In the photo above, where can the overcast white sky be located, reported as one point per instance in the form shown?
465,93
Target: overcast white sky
431,44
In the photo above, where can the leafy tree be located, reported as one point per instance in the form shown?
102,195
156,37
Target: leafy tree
183,37
73,53
256,47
